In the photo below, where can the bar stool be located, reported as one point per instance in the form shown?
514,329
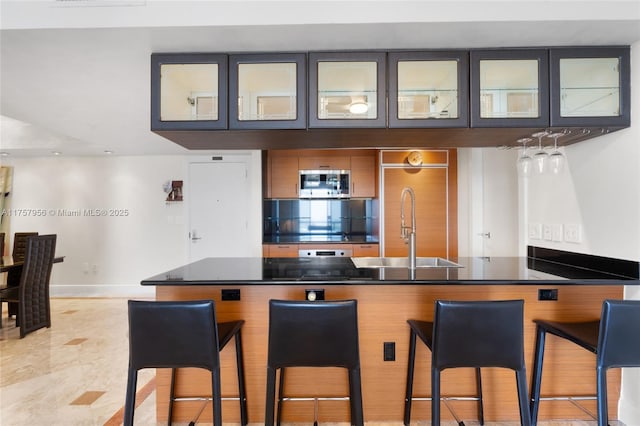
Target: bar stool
170,334
313,334
614,340
470,334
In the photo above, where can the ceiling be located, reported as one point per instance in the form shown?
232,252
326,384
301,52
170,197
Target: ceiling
75,74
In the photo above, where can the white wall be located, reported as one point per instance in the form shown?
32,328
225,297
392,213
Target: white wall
109,255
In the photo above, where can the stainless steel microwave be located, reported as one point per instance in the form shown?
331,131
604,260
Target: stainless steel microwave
324,183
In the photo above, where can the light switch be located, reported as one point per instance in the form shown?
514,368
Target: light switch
535,231
547,232
556,232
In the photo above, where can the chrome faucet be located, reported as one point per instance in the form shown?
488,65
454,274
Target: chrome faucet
408,233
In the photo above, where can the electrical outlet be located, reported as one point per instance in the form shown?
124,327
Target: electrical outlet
547,232
548,294
389,351
230,294
572,233
556,232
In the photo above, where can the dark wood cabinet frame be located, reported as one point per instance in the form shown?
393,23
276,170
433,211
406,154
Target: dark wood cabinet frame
159,59
622,53
461,57
542,56
381,113
300,59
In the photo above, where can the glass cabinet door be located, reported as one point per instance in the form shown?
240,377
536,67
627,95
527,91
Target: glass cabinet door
590,86
428,89
509,88
267,91
347,89
188,91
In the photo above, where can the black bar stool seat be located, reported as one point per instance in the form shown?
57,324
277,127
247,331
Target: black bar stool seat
313,334
179,334
470,334
613,338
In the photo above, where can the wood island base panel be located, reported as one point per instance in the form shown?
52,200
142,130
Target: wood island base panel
383,310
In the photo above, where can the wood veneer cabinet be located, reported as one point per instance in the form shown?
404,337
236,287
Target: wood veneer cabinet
365,250
280,250
363,176
333,161
283,176
434,182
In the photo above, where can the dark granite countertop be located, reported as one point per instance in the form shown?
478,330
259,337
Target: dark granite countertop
341,271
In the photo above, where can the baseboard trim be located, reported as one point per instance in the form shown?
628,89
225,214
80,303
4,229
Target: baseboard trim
101,291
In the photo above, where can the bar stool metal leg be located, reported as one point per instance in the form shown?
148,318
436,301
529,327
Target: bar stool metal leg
410,371
280,396
172,395
536,380
242,396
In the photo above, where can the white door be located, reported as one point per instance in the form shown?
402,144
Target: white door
500,203
218,210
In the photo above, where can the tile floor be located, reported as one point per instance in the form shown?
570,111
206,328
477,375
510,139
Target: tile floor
75,372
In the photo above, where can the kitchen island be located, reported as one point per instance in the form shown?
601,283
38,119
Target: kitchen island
242,287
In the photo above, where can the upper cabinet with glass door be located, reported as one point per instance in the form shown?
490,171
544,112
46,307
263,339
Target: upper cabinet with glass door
509,88
429,89
347,89
267,91
590,86
188,91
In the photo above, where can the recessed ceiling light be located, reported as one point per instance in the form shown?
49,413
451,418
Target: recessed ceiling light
56,152
108,152
4,154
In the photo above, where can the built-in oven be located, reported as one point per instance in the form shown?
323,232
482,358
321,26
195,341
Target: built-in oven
325,252
324,183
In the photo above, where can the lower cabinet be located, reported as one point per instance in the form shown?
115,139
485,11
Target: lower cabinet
366,250
280,250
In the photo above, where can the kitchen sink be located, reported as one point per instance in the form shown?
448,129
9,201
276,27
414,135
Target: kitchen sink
403,262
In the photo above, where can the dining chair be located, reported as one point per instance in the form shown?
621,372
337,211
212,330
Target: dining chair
1,243
32,293
18,253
